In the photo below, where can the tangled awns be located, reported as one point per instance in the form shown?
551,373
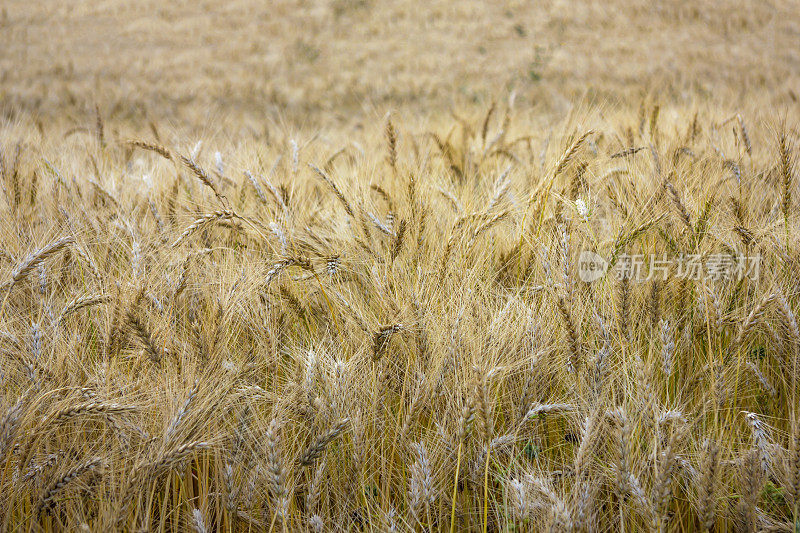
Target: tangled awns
388,331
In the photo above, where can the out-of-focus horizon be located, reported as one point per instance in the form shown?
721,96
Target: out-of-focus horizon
342,61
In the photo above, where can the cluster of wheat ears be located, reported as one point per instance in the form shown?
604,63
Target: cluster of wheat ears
389,333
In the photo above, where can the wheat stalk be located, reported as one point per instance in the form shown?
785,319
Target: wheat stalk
55,488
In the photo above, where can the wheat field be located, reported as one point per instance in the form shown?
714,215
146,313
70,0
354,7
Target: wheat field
399,266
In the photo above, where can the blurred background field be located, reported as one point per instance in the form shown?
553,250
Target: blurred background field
339,62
